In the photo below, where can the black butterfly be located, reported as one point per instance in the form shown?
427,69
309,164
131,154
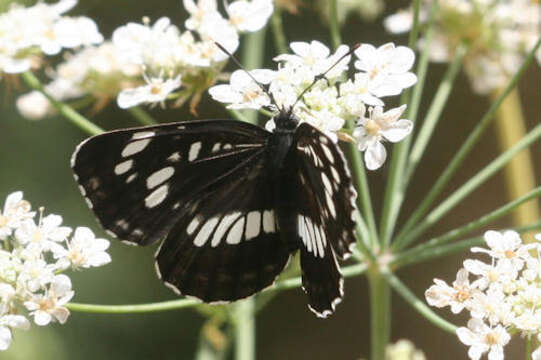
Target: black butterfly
232,201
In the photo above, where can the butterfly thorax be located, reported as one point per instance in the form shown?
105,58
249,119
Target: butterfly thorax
282,139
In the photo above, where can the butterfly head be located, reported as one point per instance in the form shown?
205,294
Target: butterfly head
285,120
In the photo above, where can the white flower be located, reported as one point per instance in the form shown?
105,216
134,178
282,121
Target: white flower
506,247
501,273
69,33
213,29
156,91
50,305
35,274
40,237
198,12
242,91
360,90
536,355
387,67
34,105
380,126
15,211
481,339
492,305
250,15
8,322
84,250
458,296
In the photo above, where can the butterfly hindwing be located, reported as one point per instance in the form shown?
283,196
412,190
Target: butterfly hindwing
227,246
326,202
137,181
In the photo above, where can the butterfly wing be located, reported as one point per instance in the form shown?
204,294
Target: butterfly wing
325,222
201,185
138,181
227,245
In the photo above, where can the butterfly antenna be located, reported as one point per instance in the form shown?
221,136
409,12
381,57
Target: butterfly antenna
237,62
322,75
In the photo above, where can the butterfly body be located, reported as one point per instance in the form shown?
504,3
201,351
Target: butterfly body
230,201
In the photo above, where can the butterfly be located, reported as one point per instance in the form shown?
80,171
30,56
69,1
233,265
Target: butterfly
230,202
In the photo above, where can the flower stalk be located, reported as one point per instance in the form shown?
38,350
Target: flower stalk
380,313
519,173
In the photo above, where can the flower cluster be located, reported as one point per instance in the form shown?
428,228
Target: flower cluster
497,33
334,99
503,297
32,259
27,33
148,63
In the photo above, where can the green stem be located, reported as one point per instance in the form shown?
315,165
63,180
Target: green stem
334,26
418,304
476,224
434,112
393,198
65,110
280,41
380,314
244,323
239,115
296,282
464,150
364,200
417,256
461,193
528,348
142,116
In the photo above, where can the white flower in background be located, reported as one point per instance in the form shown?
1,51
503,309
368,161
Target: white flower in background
8,322
25,32
84,251
34,105
440,294
198,11
15,211
498,33
249,15
387,68
156,91
482,338
507,247
243,92
30,272
50,305
379,126
42,235
403,350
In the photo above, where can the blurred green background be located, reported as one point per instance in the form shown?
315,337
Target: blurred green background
34,157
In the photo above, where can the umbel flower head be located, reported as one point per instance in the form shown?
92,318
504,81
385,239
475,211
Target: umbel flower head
42,29
32,260
502,296
152,62
497,33
334,100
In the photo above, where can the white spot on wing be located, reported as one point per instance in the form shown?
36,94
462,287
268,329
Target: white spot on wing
319,241
335,174
204,234
194,151
253,226
174,157
123,167
235,234
193,225
326,182
330,205
131,178
227,146
142,135
160,176
268,221
216,147
157,196
328,153
222,228
135,147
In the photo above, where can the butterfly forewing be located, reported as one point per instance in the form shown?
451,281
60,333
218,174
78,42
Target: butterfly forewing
326,202
138,181
227,247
